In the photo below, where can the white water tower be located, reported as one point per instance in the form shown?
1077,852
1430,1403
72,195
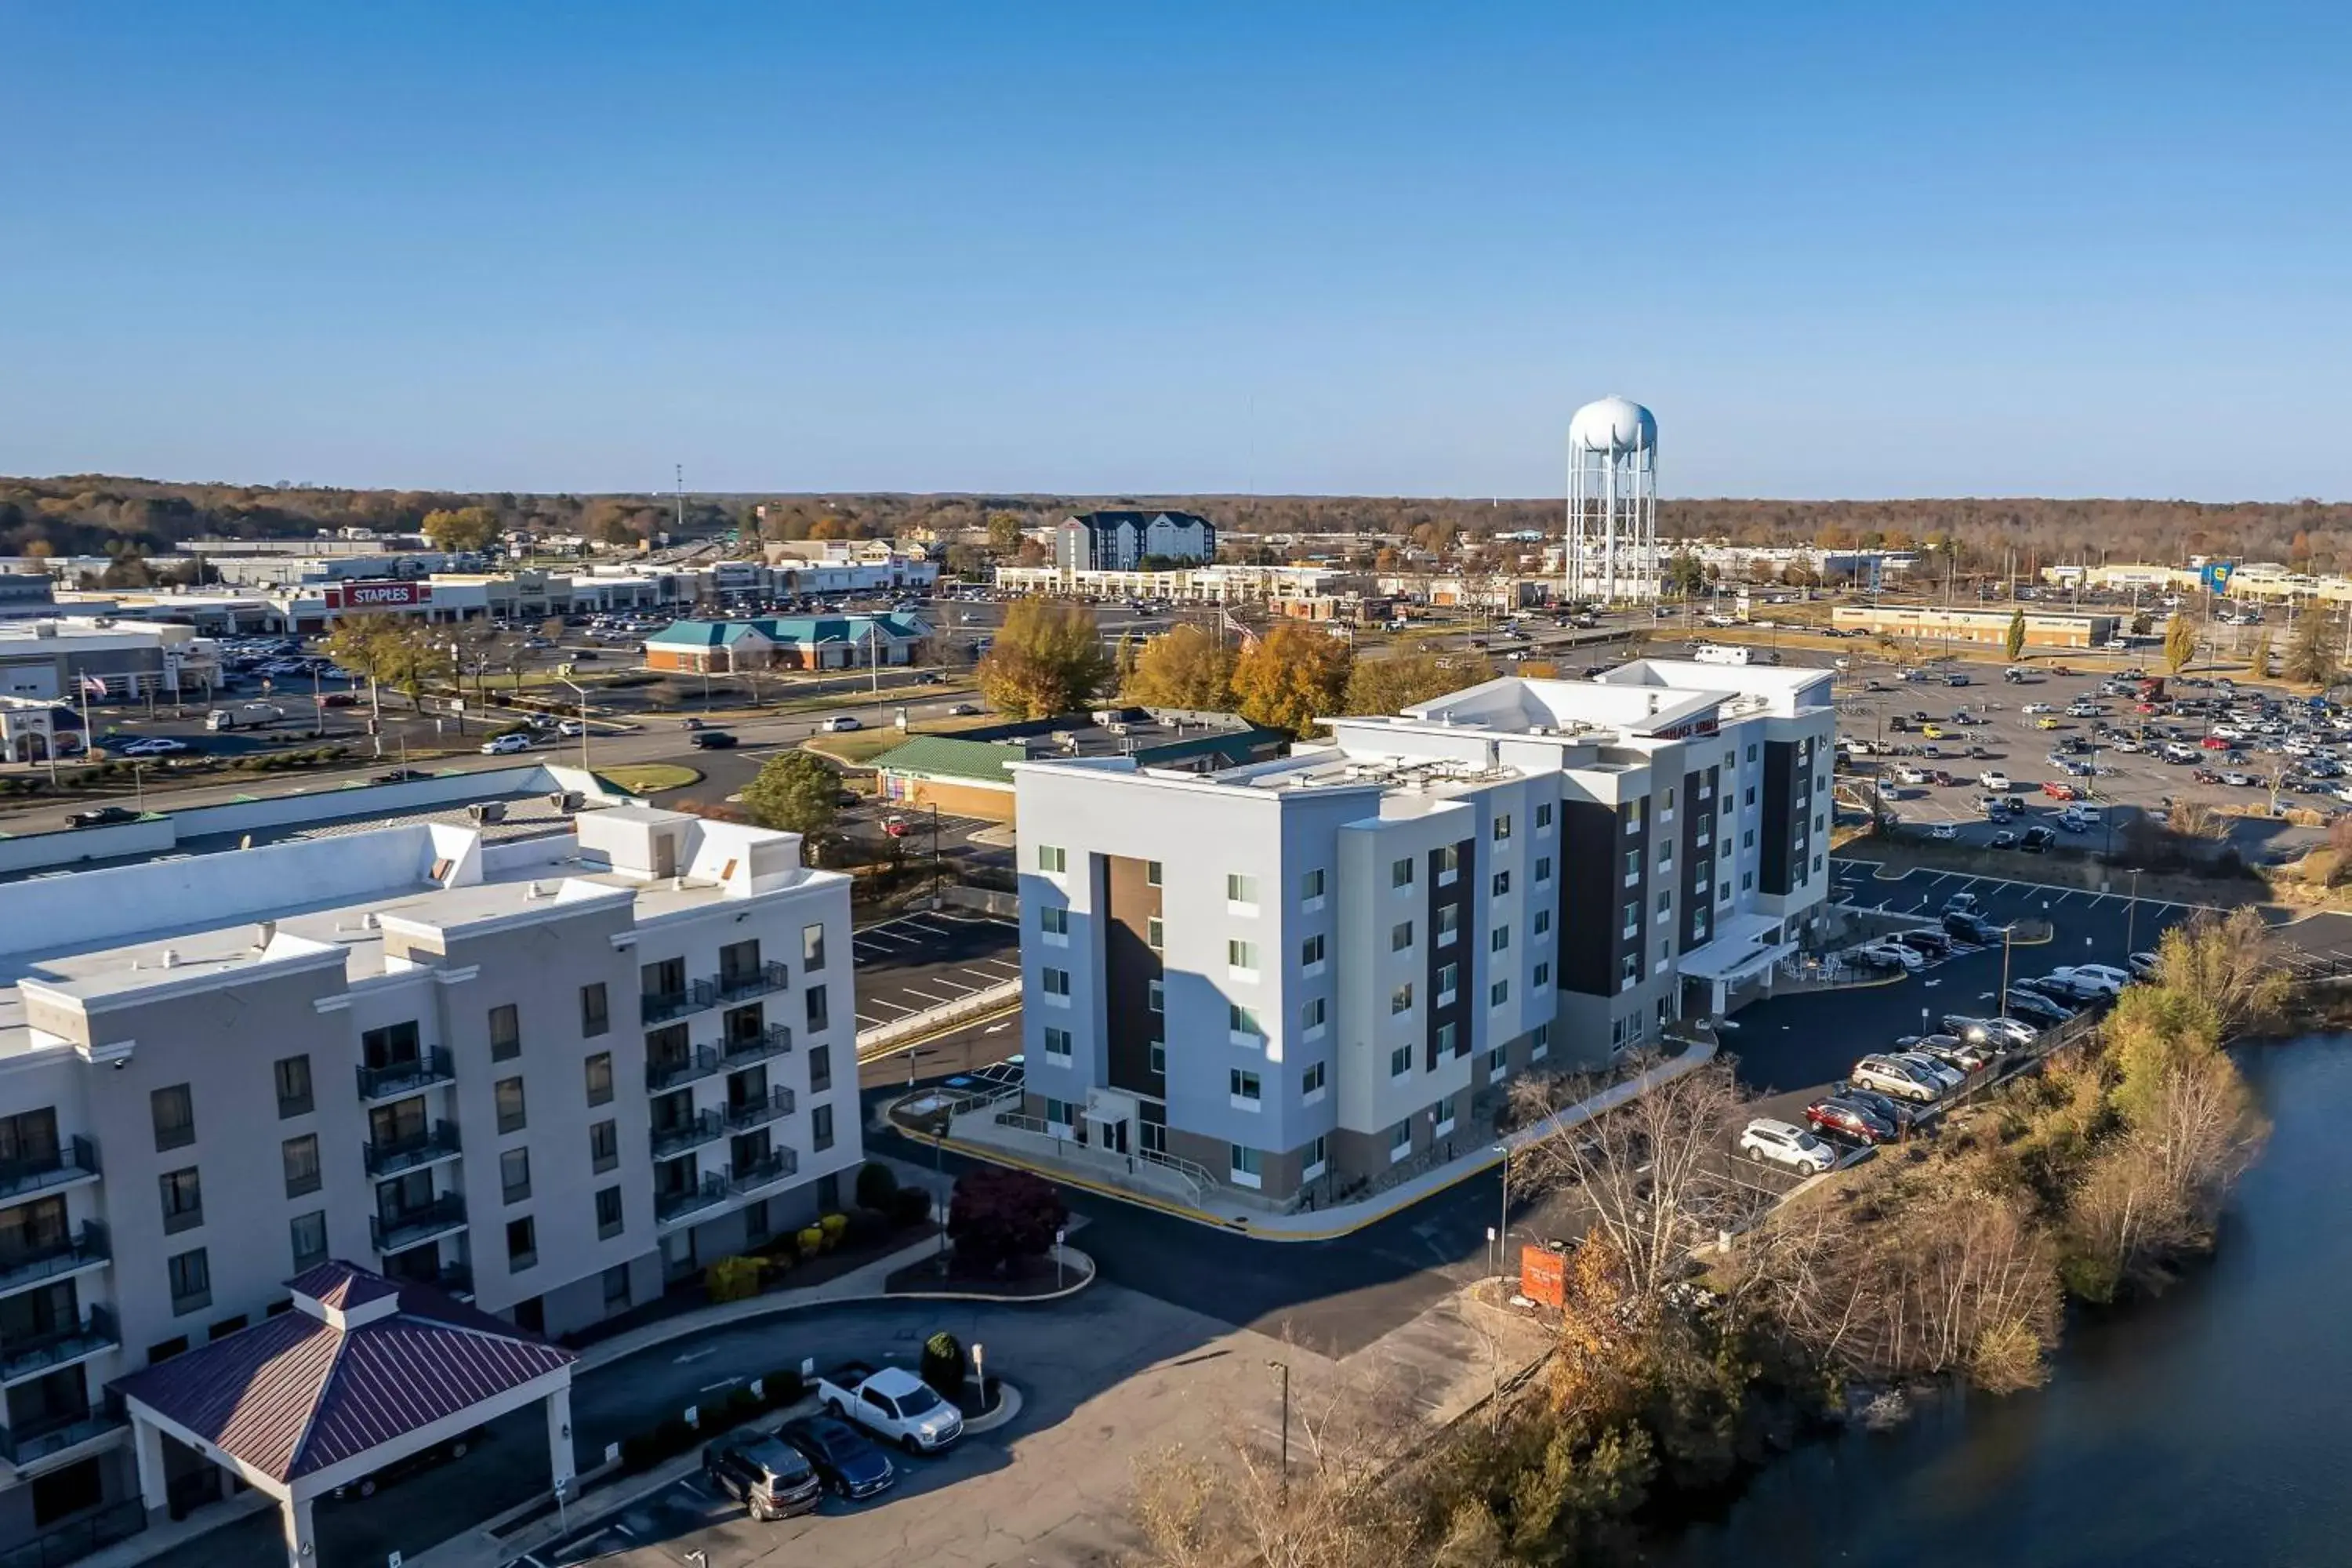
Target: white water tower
1613,503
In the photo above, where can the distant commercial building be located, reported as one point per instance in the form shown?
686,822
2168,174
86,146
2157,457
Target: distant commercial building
786,642
25,595
1182,584
1988,628
69,657
1124,541
970,773
549,1074
1295,973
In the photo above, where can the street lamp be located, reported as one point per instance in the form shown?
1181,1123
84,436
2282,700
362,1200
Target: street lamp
581,692
1284,1367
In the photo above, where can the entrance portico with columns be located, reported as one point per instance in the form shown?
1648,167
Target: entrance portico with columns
362,1372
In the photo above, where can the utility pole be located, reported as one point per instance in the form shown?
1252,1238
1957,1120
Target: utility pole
2005,935
681,500
1284,1367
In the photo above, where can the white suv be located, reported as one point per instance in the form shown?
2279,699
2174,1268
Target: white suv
1767,1140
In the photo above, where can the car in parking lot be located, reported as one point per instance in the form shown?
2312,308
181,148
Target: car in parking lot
1846,1117
1926,943
961,710
2036,839
842,722
154,746
713,740
1942,1074
506,745
1896,1113
1890,955
1785,1144
100,816
849,1465
1994,780
2144,964
2004,839
1948,1050
1890,1076
2076,984
2034,1007
772,1479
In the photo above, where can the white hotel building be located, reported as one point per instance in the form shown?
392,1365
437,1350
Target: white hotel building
548,1074
1305,969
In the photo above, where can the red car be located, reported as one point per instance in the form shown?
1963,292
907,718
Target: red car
2057,791
2215,744
1847,1121
898,827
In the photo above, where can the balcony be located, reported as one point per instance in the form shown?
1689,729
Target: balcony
73,1162
20,1270
27,1445
31,1357
406,1154
662,1006
416,1227
395,1080
776,1165
743,985
760,1112
703,1127
700,1062
671,1208
772,1041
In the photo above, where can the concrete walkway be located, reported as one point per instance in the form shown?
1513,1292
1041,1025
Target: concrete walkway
981,1140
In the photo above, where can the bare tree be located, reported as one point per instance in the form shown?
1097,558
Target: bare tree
1336,1504
1655,1171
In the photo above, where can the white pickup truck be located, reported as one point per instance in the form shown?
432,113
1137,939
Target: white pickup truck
893,1403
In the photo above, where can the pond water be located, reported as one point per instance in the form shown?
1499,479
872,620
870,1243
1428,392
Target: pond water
2212,1426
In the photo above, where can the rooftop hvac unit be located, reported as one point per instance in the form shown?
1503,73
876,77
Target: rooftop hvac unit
566,800
488,811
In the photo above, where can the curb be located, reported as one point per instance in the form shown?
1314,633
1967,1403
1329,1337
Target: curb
1008,1407
897,1048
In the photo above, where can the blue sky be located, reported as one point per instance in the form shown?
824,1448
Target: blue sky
1842,250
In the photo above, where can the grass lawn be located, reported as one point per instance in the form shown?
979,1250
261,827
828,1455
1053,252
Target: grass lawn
648,778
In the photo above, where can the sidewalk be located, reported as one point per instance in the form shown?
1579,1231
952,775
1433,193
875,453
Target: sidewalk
980,1139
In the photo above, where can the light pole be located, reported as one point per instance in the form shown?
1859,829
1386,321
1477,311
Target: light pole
2007,932
1284,1367
581,692
2131,916
1503,1229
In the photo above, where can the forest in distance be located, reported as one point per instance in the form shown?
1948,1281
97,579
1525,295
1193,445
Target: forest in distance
100,514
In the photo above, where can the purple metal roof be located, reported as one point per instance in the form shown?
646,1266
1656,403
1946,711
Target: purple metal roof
292,1394
341,1286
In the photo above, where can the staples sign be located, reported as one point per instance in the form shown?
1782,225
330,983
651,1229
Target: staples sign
382,596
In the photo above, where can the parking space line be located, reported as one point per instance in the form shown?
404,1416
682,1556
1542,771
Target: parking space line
910,991
943,980
896,1006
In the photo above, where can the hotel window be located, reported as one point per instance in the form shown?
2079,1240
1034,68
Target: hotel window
514,1174
1155,934
1543,817
1310,952
812,947
184,1200
1401,1061
1543,869
1503,828
1633,862
1052,860
308,1234
1400,937
1542,975
1497,1064
1151,874
175,1109
1542,922
1053,920
820,1128
1446,976
1400,999
293,1076
1156,1056
1241,956
1498,993
1499,940
1310,886
1057,982
1631,967
596,1014
1541,1045
1449,861
508,1093
1310,1016
1446,1034
603,1145
1312,1166
1747,881
1246,1166
191,1278
608,1215
1312,1080
1155,995
598,1072
1240,1020
1243,1086
1449,920
522,1243
301,1159
1240,890
1057,1044
1502,883
1400,874
1747,839
814,1002
1400,1141
505,1032
1666,902
1747,796
1751,751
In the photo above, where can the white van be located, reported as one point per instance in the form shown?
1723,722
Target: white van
1723,653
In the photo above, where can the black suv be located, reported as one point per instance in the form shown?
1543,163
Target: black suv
770,1478
1973,928
1926,943
713,740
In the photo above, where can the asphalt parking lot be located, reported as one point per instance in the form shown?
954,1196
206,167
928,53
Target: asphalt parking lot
2015,743
919,962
